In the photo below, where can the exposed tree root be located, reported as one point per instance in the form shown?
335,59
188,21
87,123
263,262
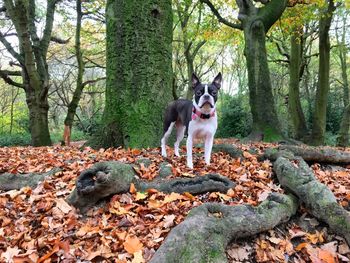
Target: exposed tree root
209,228
10,181
294,174
107,178
311,154
230,149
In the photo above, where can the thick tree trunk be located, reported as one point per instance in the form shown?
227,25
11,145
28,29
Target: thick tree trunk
256,22
265,121
139,72
320,109
294,106
38,118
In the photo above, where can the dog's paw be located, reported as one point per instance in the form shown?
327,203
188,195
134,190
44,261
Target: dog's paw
190,165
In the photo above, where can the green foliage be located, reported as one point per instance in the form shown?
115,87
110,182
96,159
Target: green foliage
17,139
235,119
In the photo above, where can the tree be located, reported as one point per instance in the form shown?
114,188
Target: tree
255,22
344,137
295,70
32,60
139,72
80,84
320,109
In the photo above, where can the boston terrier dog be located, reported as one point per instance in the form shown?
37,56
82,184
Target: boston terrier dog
197,118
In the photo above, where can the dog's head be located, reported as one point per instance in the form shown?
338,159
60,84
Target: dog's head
206,95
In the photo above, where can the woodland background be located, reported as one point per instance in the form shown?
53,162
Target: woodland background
76,75
103,72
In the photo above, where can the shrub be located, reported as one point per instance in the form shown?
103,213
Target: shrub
15,139
235,119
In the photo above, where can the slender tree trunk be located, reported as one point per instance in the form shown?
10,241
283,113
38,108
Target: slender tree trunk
294,106
73,105
13,100
139,72
320,109
344,136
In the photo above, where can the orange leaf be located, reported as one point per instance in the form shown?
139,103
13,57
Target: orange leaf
132,189
132,245
326,256
301,246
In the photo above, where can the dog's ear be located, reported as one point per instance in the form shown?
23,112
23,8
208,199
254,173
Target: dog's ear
195,80
217,80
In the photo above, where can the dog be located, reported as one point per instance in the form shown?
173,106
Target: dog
197,118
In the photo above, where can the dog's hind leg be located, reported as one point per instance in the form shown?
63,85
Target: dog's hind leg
168,127
180,133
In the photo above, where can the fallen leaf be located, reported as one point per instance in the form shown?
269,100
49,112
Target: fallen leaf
132,244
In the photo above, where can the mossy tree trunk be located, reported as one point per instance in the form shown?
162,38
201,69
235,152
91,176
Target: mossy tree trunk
139,72
32,61
255,22
344,136
294,106
320,109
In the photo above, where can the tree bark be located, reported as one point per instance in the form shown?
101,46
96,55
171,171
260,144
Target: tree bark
294,106
296,176
32,59
343,139
73,105
139,72
107,178
209,228
320,109
17,181
310,154
344,136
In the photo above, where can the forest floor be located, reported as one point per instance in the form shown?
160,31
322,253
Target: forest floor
37,225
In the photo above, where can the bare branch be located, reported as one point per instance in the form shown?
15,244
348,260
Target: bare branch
10,81
10,49
219,17
59,40
92,81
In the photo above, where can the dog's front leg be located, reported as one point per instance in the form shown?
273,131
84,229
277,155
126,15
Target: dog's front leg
189,151
208,145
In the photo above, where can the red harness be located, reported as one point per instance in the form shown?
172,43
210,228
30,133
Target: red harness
201,115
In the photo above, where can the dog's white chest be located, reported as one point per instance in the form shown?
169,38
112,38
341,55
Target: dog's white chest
202,128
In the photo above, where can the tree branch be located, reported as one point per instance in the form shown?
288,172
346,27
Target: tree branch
219,17
59,40
91,81
10,49
50,11
10,81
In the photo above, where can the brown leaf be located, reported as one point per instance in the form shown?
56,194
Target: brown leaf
132,244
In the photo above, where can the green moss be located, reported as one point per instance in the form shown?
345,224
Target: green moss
271,135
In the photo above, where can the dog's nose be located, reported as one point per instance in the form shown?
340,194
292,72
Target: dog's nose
206,97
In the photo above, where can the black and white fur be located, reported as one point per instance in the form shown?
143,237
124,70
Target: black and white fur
198,118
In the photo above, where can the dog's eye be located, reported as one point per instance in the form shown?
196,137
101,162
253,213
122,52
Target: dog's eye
213,93
198,93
